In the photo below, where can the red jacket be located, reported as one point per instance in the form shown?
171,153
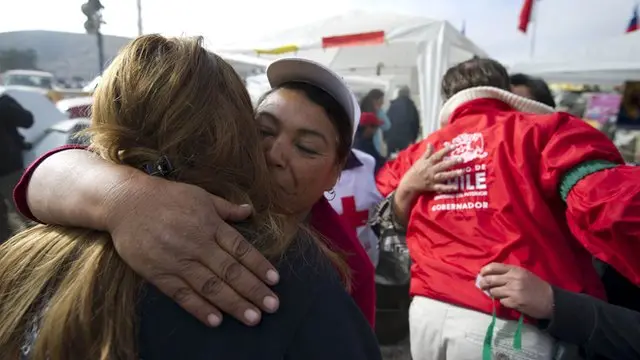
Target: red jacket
509,208
323,219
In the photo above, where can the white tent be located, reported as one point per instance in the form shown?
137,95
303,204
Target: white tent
245,65
414,51
608,63
258,85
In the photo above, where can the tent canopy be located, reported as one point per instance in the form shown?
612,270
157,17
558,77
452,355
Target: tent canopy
410,50
607,63
245,65
258,85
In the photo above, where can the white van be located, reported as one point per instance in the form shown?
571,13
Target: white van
28,78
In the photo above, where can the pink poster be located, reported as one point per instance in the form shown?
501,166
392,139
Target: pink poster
603,107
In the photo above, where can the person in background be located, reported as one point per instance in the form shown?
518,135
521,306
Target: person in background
532,88
12,145
571,176
354,196
368,127
630,108
66,294
405,122
372,103
602,330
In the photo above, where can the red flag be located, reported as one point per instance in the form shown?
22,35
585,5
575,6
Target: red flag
525,15
370,38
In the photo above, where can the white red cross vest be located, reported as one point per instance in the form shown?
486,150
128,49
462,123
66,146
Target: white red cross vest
355,196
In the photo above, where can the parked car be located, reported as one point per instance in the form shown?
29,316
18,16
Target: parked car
30,78
65,132
76,107
92,85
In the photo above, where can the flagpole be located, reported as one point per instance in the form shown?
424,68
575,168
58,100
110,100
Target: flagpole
532,43
534,29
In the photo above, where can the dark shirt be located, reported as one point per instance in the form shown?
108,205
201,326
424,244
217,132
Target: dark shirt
366,145
603,330
12,117
317,319
405,124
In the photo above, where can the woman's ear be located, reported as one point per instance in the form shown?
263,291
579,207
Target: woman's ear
334,177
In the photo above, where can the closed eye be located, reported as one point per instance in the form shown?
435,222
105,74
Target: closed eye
307,150
267,133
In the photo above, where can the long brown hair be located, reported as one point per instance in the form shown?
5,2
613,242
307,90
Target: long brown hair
161,98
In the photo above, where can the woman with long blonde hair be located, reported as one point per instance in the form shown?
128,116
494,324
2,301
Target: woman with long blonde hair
172,109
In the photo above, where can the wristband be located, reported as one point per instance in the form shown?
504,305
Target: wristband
579,172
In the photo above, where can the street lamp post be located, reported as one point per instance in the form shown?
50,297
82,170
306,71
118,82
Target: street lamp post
139,5
92,9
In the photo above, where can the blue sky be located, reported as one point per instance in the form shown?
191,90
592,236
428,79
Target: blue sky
562,24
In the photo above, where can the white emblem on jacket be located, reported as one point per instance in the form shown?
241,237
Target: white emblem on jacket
468,147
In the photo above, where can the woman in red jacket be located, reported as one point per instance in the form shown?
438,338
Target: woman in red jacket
540,190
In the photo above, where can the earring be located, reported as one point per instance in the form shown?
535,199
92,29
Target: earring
330,195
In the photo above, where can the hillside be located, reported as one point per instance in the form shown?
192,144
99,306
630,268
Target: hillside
64,54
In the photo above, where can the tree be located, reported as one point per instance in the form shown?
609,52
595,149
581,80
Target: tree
18,59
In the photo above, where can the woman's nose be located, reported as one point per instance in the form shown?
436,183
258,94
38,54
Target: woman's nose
276,154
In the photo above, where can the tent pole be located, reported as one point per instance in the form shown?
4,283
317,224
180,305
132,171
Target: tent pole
532,43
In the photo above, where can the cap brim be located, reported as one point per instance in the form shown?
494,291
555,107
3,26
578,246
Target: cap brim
303,70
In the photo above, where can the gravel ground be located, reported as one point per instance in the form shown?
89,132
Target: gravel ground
400,351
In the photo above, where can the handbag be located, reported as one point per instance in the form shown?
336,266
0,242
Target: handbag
394,262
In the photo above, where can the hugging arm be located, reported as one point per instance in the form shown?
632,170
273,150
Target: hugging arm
73,188
427,173
174,235
583,167
600,328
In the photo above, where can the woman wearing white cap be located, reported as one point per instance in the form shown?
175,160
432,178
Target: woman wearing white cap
174,234
172,109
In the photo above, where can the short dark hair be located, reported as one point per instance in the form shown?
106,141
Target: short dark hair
336,113
520,80
366,104
537,87
473,73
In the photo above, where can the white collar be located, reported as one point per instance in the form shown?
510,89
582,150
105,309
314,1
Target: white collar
519,103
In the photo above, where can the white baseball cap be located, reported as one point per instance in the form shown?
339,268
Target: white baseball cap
307,71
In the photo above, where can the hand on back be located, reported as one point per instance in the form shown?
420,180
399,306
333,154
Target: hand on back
176,237
431,172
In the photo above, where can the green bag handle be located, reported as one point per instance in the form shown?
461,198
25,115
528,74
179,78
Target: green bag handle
487,347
